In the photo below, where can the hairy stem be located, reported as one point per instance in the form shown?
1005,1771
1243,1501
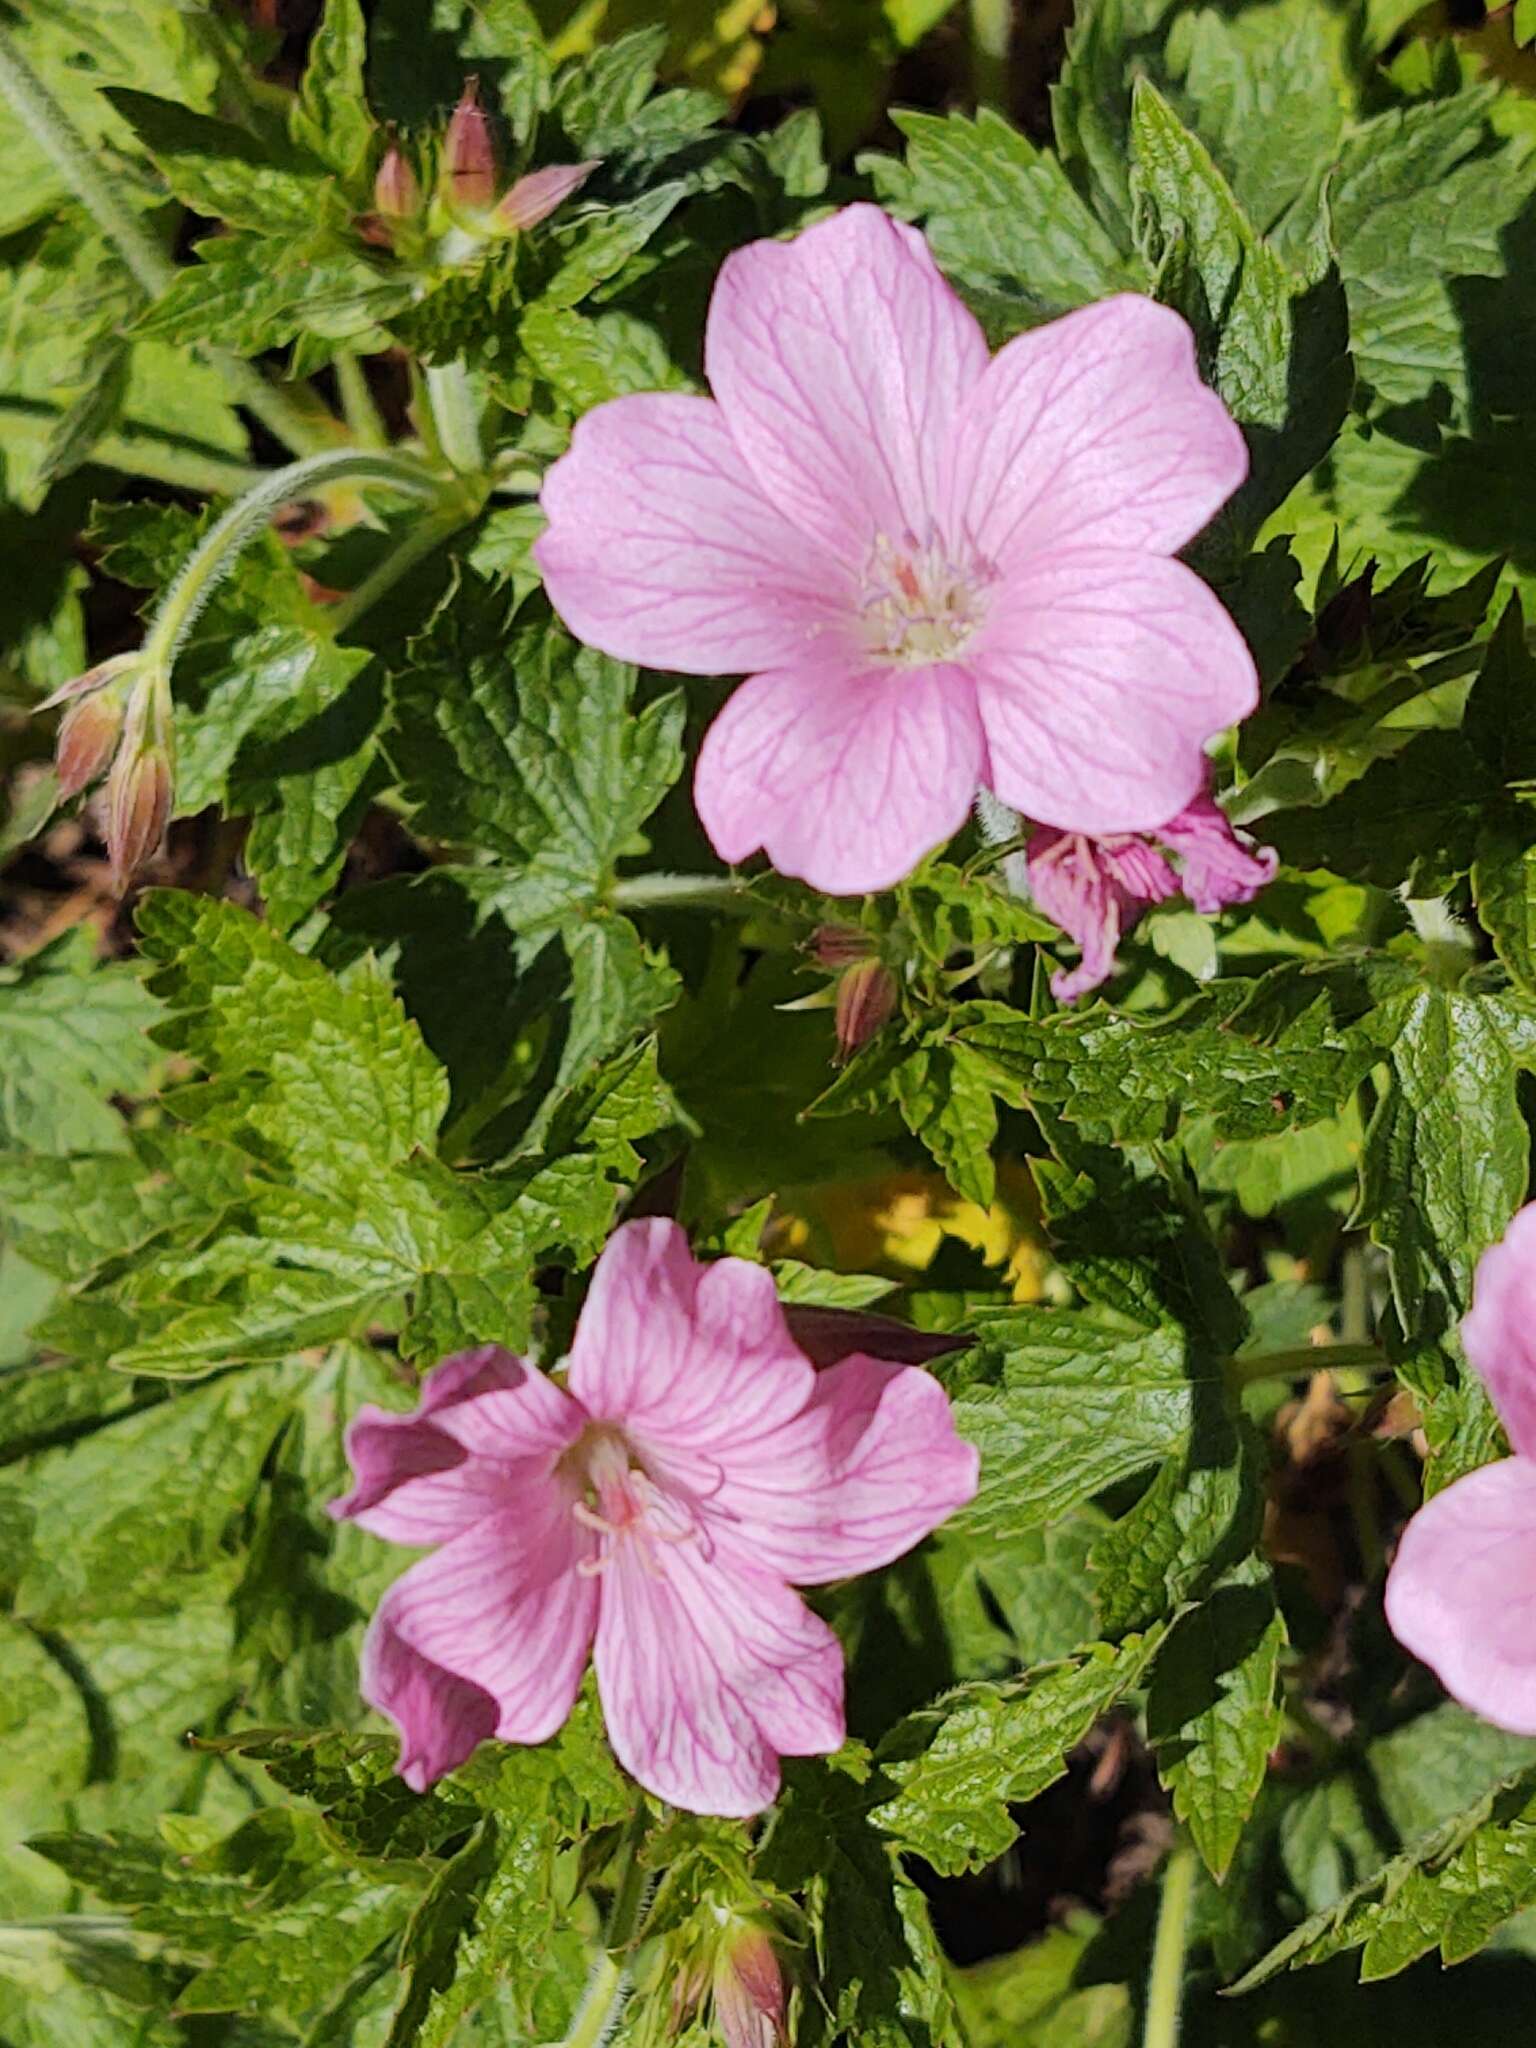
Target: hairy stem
194,581
991,38
1306,1358
152,270
608,1986
1166,1983
679,892
357,404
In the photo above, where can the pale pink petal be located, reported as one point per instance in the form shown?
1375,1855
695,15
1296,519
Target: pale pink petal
505,1607
1100,675
1216,866
845,777
441,1719
709,1675
1461,1594
483,1417
841,361
660,549
872,1466
1093,431
1094,889
689,1356
1499,1332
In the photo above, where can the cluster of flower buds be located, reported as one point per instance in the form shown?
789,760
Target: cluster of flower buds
467,195
118,724
865,989
739,1970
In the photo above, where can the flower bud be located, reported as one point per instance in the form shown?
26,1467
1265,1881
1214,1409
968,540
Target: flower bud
87,734
469,153
396,194
866,1002
141,785
838,945
534,197
749,1990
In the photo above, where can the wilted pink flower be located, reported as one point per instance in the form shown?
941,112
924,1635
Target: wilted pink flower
396,194
654,1512
940,572
1463,1583
469,153
536,194
1096,888
749,1989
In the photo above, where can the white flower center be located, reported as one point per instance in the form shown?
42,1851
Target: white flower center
919,605
621,1502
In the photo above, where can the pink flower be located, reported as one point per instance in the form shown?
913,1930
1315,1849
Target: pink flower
1096,888
939,572
1462,1587
652,1513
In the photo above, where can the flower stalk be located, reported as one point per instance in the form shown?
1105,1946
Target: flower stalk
1165,1985
608,1986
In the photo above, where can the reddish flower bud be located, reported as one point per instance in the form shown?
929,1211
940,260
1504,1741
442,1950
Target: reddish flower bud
469,153
534,197
838,945
749,1991
88,732
141,785
396,194
866,1002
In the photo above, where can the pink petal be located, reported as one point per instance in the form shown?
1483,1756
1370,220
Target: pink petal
441,1719
1100,676
689,1357
423,1478
1093,889
1093,431
504,1607
1499,1332
661,549
1461,1594
1216,867
709,1675
845,776
872,1466
841,361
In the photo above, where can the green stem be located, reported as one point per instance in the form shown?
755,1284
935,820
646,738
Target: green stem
1166,1984
679,892
991,41
1306,1358
456,416
420,542
608,1986
152,270
55,135
362,415
194,581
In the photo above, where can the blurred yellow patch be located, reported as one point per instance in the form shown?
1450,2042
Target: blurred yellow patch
896,1223
709,44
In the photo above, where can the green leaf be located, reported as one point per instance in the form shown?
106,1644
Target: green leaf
330,118
1450,1889
1445,1160
514,740
252,292
1274,345
963,1762
72,1033
1213,1711
222,171
945,1094
149,1496
1500,716
1000,215
1504,889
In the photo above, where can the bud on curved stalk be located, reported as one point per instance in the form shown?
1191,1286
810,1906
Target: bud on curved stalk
866,1002
141,785
88,733
469,154
535,196
749,1990
396,194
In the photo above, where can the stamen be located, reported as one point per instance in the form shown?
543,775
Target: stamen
920,603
